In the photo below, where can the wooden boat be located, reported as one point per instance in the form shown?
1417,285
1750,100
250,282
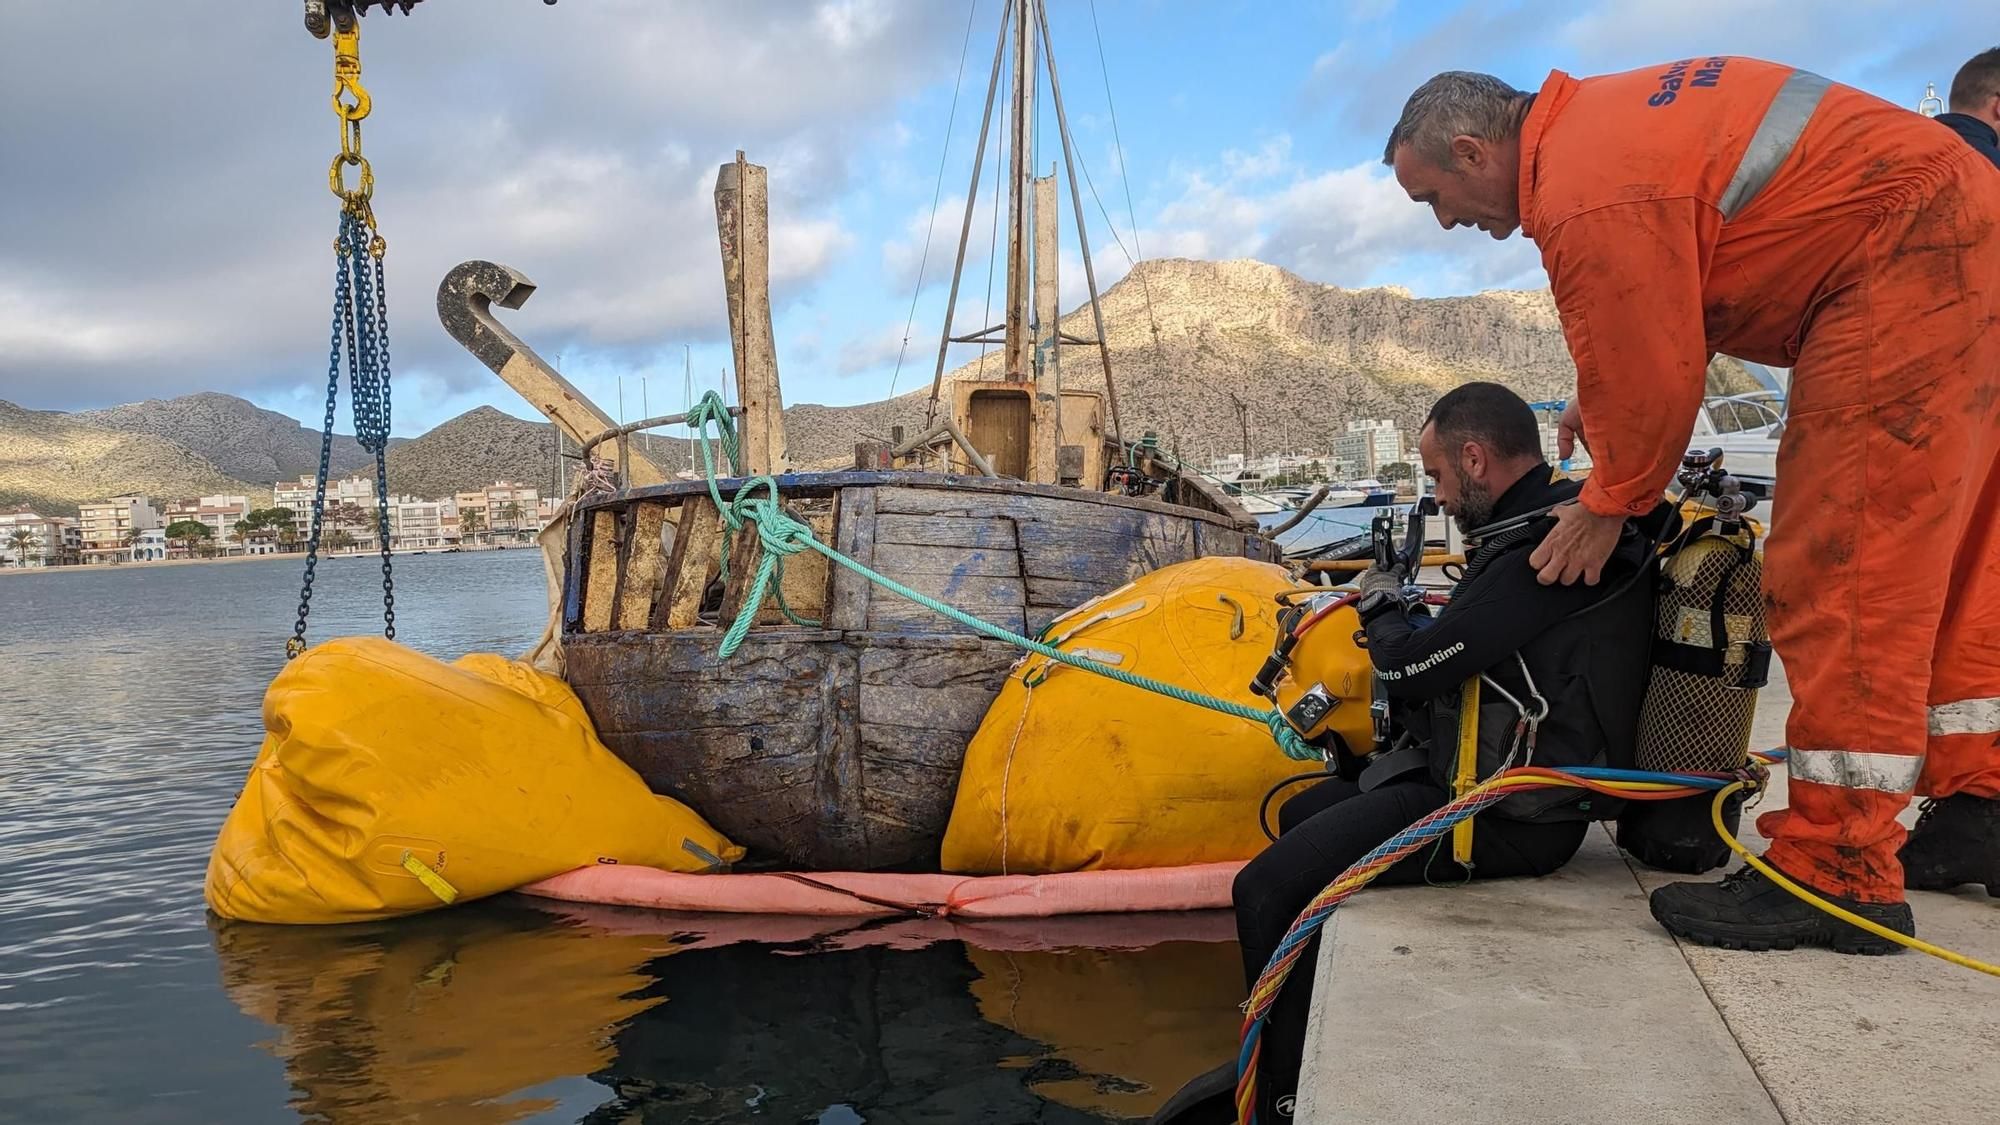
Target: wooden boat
836,746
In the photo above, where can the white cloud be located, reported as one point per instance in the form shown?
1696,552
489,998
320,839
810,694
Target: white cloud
1347,226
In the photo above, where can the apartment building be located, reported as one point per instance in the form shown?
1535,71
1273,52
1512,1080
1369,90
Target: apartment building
416,524
108,526
220,514
359,491
504,510
43,540
1368,444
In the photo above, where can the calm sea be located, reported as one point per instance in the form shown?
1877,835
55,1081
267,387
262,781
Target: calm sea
128,715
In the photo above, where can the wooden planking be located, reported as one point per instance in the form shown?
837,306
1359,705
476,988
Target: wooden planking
1063,593
898,560
848,593
600,592
828,753
895,614
645,566
945,531
805,576
695,561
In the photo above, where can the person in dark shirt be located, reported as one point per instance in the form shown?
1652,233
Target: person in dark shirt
1584,648
1975,104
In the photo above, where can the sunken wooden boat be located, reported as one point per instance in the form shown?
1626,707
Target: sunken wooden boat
836,745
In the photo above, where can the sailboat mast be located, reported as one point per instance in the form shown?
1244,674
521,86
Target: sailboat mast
1020,170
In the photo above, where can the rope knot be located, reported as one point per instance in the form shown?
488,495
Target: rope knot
1290,741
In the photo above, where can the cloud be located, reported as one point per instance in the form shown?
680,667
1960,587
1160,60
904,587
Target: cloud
869,353
1347,226
182,241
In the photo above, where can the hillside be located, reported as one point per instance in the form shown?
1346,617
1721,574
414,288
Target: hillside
484,445
53,462
1305,357
241,440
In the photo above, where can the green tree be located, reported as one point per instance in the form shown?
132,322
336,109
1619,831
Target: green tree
187,533
339,539
470,524
1396,470
22,541
508,514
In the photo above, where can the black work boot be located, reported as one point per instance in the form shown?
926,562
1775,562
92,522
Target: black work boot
1956,841
1748,911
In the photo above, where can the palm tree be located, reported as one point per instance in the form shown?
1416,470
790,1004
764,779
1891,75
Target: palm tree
509,513
470,524
23,541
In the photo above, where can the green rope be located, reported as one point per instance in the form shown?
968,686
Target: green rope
780,536
736,512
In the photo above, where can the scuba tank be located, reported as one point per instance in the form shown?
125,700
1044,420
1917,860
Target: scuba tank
1710,655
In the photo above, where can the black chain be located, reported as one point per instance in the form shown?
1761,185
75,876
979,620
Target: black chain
361,323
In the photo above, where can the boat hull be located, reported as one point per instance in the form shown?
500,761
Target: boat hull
838,747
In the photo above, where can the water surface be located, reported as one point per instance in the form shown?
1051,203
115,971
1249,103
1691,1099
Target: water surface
128,715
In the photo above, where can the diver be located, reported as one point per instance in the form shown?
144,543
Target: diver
1583,651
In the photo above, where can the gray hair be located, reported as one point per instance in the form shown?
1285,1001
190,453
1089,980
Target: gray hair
1457,103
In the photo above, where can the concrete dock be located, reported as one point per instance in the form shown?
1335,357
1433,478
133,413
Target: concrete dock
1560,1000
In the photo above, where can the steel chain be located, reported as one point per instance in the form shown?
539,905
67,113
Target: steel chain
361,325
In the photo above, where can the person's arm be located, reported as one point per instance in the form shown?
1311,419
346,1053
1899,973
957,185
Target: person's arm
1503,609
1628,284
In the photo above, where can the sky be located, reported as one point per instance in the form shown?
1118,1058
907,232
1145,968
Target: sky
169,229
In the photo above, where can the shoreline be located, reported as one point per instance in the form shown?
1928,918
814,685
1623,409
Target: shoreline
291,556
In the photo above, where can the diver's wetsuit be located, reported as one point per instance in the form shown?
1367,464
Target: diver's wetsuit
1592,669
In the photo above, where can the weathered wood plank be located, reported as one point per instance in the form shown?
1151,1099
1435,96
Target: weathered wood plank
805,575
696,559
822,484
944,531
903,560
848,593
894,613
645,566
1063,593
600,592
839,776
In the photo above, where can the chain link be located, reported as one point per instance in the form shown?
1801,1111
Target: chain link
360,330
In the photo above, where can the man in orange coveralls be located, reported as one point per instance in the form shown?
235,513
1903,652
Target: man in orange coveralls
1730,205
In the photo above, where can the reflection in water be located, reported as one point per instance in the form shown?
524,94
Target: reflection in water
438,1018
447,1018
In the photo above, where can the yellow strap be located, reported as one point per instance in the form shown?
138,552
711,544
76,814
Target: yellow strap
428,876
1468,767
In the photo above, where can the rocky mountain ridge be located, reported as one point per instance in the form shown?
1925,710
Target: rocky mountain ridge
1186,338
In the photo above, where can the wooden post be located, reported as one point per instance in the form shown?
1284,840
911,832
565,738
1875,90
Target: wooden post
1016,358
742,220
1044,467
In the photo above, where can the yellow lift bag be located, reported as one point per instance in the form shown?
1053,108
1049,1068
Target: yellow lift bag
1071,771
390,782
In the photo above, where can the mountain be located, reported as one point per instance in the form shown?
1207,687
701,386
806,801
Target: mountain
53,462
241,440
1184,337
1305,357
484,445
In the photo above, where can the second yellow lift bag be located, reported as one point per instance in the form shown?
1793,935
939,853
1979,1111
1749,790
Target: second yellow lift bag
1071,771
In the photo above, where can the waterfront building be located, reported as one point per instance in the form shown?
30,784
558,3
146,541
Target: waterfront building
1368,444
107,526
50,540
220,514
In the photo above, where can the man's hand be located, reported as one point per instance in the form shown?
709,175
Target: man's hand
1569,431
1379,579
1578,546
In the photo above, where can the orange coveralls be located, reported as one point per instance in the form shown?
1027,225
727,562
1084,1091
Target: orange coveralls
1737,206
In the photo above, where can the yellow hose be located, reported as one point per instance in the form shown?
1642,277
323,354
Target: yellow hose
1847,916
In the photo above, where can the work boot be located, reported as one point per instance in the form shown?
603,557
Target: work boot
1956,841
1746,910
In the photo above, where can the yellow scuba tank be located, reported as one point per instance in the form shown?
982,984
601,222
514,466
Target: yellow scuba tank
1710,655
